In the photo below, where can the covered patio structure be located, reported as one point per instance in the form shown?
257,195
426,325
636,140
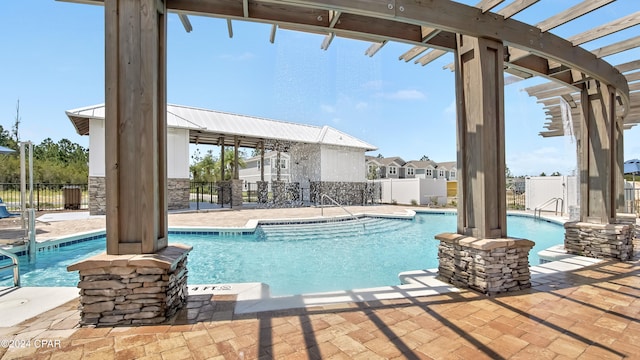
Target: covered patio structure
486,44
312,145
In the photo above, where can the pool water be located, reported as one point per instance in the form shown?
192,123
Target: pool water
296,259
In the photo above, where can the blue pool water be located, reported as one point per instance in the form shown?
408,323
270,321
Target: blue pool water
295,259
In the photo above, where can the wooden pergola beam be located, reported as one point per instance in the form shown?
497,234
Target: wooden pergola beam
403,21
572,13
606,29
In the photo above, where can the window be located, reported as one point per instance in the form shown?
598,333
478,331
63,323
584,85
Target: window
258,164
429,172
441,173
452,174
393,170
410,171
283,163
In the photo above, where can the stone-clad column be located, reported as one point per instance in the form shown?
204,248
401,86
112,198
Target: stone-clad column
480,130
481,256
140,280
602,232
600,155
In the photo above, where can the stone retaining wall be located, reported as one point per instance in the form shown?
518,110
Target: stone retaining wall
177,194
132,289
600,241
490,266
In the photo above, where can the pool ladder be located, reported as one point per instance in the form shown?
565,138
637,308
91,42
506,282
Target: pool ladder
325,196
15,264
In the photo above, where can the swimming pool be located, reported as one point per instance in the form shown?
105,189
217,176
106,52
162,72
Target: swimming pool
295,259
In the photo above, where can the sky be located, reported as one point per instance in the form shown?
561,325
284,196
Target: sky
52,60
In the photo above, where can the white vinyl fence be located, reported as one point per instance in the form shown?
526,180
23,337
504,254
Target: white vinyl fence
410,191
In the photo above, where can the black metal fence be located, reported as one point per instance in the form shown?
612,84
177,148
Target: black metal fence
516,200
46,197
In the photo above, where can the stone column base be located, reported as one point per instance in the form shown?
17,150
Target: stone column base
224,193
278,189
490,266
601,241
263,192
132,289
236,194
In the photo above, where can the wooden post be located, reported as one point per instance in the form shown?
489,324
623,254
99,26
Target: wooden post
600,156
480,133
135,126
261,160
236,146
222,164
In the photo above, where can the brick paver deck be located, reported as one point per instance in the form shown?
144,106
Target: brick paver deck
592,313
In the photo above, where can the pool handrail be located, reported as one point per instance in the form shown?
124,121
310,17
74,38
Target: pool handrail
15,264
323,196
538,209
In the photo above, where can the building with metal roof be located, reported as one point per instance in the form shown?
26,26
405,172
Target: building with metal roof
315,154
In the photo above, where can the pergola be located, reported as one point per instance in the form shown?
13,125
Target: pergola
486,44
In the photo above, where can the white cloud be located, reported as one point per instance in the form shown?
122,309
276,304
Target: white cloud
372,85
361,105
407,95
328,108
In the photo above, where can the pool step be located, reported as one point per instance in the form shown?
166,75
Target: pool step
329,230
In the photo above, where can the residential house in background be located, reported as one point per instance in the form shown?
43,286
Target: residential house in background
385,168
251,172
396,168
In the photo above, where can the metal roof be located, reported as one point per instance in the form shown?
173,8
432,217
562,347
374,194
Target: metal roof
217,128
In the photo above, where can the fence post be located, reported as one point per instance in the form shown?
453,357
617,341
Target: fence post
197,197
37,196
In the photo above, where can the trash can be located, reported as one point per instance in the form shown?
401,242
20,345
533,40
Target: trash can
71,195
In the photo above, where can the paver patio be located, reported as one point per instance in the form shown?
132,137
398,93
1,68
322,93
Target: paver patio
591,313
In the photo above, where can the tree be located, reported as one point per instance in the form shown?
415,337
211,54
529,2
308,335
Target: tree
507,172
373,172
6,139
556,173
380,156
543,174
203,168
424,158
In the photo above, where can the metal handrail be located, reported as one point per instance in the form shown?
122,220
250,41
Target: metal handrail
15,265
323,196
538,209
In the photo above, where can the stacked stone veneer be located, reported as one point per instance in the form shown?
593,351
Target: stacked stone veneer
224,192
601,241
236,194
97,195
345,193
490,266
263,192
132,289
177,194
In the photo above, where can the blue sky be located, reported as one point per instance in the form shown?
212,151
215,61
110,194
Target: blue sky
52,60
